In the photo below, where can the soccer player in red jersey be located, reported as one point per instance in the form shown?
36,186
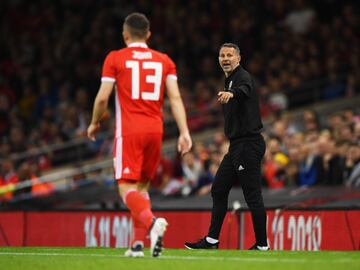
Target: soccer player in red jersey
140,75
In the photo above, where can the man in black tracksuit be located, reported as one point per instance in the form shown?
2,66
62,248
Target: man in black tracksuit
247,147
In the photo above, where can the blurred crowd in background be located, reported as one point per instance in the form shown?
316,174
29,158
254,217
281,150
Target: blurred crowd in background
301,154
299,52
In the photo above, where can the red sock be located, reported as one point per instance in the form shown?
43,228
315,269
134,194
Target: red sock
139,230
139,207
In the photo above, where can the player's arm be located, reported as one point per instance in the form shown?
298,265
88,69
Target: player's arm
178,111
100,107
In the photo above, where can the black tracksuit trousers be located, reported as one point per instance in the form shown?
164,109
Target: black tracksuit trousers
241,164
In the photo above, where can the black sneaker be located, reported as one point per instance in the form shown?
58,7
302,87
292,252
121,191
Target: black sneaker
262,248
201,244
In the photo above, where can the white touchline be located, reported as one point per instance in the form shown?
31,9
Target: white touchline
189,258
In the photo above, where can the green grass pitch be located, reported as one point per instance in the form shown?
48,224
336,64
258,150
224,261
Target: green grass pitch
12,258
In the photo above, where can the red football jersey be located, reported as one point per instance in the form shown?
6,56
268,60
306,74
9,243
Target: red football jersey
140,75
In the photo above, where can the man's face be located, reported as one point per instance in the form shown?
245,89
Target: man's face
229,59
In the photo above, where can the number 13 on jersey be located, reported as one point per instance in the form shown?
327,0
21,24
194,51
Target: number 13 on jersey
156,79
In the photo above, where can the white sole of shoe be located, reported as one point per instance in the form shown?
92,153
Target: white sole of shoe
130,253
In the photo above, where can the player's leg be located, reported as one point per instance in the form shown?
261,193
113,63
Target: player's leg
128,159
136,202
152,155
224,180
139,230
141,215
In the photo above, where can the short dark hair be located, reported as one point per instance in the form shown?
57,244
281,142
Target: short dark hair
231,45
137,24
